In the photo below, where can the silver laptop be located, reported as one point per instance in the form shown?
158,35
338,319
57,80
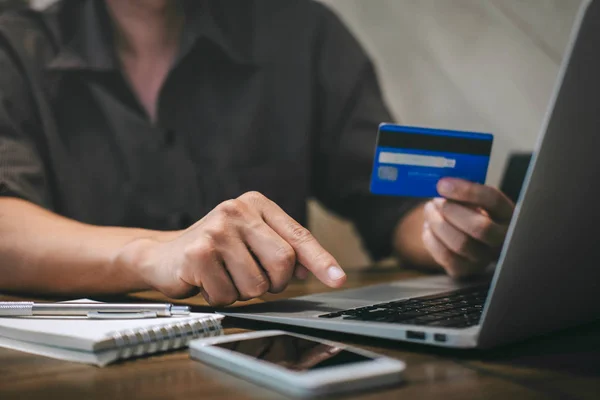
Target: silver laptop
548,274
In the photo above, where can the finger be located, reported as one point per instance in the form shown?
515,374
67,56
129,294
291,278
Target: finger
316,355
249,279
301,272
454,265
472,222
276,256
260,242
308,251
252,348
498,206
203,267
454,239
217,287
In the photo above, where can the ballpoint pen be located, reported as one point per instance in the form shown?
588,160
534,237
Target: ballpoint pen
91,310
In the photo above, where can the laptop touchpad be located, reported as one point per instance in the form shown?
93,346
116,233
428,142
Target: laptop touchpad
377,293
396,290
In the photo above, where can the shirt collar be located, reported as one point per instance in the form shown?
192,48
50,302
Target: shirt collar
87,36
216,21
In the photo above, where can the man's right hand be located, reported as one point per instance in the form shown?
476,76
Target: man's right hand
242,249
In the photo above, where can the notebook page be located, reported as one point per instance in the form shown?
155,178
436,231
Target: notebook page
100,359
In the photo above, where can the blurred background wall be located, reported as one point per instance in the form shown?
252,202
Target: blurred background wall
483,65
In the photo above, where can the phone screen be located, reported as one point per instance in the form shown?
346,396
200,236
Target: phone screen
294,353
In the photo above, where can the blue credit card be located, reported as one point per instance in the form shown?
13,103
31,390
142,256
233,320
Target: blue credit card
409,161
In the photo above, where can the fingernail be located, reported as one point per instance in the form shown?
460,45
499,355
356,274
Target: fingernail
438,201
429,206
335,273
445,186
205,295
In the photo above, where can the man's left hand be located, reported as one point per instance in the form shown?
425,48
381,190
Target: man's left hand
464,231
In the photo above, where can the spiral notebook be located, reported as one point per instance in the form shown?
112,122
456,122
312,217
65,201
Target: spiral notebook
101,342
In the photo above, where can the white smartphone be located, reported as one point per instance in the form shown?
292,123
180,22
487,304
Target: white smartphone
298,365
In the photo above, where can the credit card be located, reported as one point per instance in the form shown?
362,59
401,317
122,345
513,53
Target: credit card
409,161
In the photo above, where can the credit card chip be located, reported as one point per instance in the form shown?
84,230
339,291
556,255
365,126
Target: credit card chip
386,173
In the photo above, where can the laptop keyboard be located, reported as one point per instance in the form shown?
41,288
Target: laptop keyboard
456,309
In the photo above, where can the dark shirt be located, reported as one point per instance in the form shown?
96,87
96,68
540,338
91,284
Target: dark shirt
273,96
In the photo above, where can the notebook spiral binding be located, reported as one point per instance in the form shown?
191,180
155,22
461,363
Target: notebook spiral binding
158,338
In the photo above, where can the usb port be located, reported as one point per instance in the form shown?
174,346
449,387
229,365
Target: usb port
439,337
415,335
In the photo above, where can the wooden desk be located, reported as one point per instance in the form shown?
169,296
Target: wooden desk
564,365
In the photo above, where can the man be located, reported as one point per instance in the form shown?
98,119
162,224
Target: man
229,113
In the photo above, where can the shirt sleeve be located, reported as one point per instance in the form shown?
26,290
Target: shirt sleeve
22,171
350,108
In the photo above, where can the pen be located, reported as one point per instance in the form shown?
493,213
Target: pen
91,310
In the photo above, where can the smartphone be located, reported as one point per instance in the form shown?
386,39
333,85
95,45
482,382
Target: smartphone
298,365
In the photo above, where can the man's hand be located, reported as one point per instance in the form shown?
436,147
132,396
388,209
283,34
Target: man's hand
240,250
465,230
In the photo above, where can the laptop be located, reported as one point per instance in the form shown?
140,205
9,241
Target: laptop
548,274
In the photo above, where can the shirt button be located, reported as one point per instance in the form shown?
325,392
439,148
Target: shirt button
169,137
